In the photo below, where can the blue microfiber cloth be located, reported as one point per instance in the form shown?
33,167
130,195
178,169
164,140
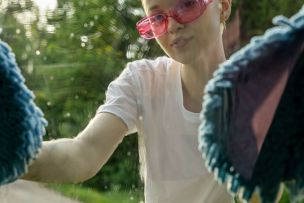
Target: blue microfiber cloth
252,123
21,122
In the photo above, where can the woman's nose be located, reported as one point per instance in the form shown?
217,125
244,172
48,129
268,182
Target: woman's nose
174,26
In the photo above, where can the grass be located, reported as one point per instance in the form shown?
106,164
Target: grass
284,198
88,195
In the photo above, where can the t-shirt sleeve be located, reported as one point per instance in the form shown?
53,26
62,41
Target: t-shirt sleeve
121,99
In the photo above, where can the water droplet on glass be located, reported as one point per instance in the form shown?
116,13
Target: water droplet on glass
84,39
121,1
24,56
104,9
50,29
30,67
90,47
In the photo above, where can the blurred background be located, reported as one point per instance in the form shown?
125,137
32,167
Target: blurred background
70,50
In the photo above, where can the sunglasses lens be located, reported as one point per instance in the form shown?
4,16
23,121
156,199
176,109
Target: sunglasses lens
158,24
189,10
144,28
153,26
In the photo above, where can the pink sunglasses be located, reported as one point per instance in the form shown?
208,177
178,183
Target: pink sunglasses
184,12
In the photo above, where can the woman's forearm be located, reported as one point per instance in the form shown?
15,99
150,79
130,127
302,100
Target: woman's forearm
72,160
58,161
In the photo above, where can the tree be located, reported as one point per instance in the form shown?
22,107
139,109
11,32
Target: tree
257,15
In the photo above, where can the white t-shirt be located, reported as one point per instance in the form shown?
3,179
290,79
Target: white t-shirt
147,96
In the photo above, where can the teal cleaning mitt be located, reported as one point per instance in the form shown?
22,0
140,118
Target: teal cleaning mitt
21,122
251,133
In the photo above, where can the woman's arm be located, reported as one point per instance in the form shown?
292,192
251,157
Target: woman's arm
80,158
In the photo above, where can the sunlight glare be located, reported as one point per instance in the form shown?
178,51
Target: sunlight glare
45,5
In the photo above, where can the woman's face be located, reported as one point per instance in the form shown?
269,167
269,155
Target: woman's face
195,38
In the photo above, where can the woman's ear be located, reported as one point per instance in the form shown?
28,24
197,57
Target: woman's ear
225,9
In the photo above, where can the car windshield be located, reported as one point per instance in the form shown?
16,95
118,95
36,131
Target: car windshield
70,50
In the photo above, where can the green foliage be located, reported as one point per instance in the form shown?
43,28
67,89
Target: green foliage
256,16
70,60
88,195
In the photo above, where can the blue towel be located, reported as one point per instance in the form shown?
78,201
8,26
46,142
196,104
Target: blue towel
251,133
21,122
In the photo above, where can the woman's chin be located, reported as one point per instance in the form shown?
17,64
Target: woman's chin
183,58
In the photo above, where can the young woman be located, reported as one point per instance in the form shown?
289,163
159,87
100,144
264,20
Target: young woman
161,100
